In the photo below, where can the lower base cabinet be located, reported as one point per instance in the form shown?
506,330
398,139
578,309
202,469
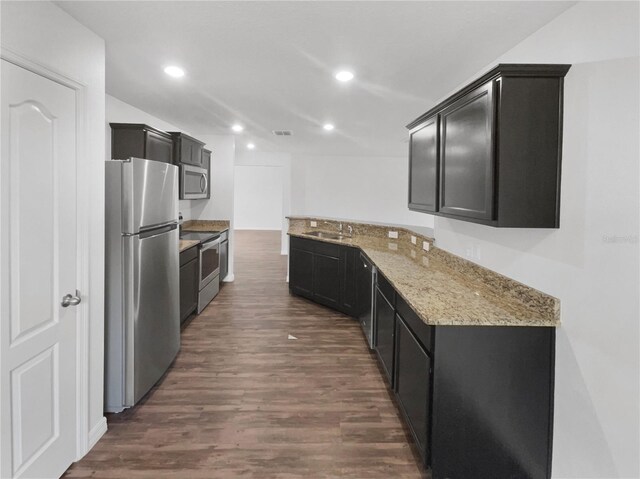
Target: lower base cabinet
384,337
413,385
188,282
478,400
324,273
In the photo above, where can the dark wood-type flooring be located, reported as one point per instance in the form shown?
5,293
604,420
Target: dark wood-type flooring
242,400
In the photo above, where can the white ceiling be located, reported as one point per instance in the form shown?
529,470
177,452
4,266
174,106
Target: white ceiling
270,64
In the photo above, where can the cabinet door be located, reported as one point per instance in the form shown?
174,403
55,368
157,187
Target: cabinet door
326,280
467,156
348,297
188,289
196,154
413,384
185,151
301,272
158,147
423,167
384,333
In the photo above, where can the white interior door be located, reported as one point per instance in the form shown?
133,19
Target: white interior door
39,267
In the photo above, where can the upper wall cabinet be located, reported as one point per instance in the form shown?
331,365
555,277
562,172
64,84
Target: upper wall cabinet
491,153
423,166
187,149
140,141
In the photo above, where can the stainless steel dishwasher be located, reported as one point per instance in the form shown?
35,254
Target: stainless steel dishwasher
366,297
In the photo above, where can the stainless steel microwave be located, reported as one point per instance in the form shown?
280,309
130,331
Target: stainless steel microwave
194,182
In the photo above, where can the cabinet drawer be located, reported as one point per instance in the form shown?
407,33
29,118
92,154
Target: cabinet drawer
386,289
422,331
301,244
327,249
188,255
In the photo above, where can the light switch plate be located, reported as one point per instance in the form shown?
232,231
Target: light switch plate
425,245
393,234
314,224
414,240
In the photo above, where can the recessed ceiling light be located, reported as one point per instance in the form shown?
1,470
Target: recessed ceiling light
251,146
344,76
237,128
328,126
174,71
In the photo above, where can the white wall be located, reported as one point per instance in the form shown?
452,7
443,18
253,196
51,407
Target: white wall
47,36
258,194
283,162
591,263
359,188
220,206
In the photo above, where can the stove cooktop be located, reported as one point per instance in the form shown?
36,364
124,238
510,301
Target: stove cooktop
202,237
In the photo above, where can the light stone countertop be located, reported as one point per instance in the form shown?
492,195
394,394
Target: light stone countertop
186,244
443,289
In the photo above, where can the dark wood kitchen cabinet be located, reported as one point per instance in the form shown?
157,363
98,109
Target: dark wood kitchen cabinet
499,146
384,326
140,141
423,166
466,157
187,149
326,280
478,400
189,275
413,384
323,272
301,272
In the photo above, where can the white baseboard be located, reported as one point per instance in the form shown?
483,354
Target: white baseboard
97,432
229,278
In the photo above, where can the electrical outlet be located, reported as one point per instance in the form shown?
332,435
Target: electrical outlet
393,234
425,245
314,224
414,240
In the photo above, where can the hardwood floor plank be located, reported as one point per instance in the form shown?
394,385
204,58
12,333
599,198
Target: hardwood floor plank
243,401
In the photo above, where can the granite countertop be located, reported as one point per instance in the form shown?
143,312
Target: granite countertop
206,225
213,226
186,244
444,289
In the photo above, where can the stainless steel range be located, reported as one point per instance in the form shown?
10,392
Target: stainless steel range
209,252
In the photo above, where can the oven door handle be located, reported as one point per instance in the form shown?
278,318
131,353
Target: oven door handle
211,244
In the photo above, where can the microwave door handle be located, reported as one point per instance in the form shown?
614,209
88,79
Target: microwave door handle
203,189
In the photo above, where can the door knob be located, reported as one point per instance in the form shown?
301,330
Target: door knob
71,300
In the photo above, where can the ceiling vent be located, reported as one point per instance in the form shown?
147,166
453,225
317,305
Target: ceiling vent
282,132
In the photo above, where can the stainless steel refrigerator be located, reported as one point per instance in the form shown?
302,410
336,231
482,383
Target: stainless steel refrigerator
142,302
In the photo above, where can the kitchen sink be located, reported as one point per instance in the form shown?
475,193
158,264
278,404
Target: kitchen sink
327,235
